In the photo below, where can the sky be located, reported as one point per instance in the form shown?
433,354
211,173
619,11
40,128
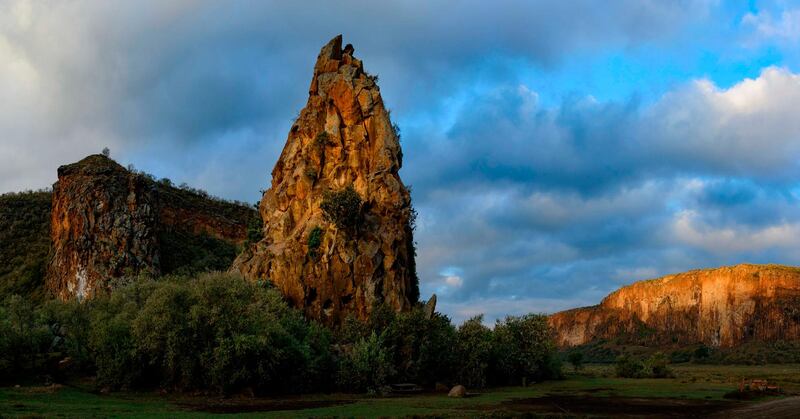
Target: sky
556,150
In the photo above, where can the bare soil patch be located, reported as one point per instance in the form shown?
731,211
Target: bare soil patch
619,406
242,405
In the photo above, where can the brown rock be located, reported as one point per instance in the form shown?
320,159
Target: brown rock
107,222
718,307
458,391
342,138
430,307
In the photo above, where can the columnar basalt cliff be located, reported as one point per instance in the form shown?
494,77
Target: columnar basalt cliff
718,307
342,138
108,222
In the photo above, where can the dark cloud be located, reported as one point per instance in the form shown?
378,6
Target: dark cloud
525,204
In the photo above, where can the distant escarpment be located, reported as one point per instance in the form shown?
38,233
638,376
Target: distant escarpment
721,307
108,222
338,219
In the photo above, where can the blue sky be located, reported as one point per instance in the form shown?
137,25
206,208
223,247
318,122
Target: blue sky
556,150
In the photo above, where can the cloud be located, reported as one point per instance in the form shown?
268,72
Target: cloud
529,200
786,27
79,75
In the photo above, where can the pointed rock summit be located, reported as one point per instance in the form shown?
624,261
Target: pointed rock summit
338,219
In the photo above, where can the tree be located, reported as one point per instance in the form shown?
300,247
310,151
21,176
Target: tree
474,348
106,152
524,350
576,359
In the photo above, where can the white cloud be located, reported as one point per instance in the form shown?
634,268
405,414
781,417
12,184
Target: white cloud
689,229
749,129
786,27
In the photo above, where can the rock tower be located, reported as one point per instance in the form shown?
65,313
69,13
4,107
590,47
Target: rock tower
342,141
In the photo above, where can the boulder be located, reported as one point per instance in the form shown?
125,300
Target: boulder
458,391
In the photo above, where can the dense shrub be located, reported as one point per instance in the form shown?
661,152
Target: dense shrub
474,349
218,331
576,359
186,253
366,366
24,243
629,367
314,241
255,229
656,366
221,333
343,208
523,350
24,338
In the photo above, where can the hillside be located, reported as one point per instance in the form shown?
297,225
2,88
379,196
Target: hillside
24,242
721,307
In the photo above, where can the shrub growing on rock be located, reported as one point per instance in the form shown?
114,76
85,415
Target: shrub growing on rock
343,208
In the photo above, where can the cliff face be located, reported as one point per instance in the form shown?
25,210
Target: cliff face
107,222
718,307
342,138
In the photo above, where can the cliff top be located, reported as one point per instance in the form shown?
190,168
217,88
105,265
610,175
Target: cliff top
666,279
95,164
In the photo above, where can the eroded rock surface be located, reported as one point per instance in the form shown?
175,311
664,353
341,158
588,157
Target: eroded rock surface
718,307
107,222
343,137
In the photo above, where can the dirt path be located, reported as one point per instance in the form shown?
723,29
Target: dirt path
775,409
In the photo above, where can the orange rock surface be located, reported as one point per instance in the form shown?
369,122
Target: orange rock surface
718,307
343,137
107,222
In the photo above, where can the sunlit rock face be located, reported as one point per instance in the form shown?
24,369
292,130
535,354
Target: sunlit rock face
107,222
343,137
718,307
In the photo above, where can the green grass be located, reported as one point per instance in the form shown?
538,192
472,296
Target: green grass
706,382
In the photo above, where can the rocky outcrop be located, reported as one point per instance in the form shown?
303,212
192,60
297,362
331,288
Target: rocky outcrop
343,138
108,222
718,307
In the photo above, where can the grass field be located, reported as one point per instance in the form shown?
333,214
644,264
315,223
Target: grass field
696,389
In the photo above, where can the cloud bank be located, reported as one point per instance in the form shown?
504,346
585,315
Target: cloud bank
535,191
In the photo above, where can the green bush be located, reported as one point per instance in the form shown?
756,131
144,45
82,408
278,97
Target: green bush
474,349
366,366
656,366
24,243
523,350
630,367
255,229
314,241
343,208
217,332
24,338
576,359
